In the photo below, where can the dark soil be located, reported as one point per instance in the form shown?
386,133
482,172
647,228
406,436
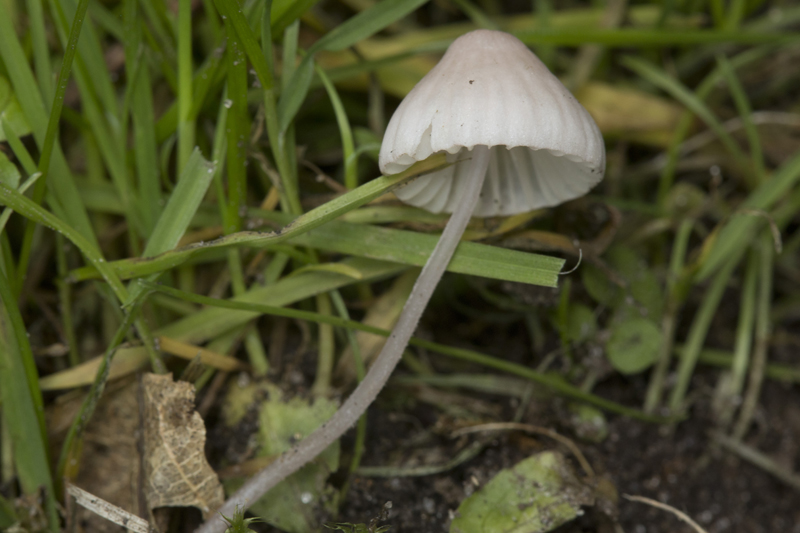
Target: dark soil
717,489
682,467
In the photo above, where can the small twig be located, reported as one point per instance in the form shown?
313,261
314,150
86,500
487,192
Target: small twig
759,459
580,258
109,511
681,515
423,470
515,426
321,177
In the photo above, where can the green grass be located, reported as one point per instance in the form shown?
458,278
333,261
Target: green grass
178,188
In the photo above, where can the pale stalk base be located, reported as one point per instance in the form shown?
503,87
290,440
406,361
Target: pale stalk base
349,413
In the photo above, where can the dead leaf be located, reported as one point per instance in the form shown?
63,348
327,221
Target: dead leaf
538,240
176,470
630,113
536,495
110,458
129,359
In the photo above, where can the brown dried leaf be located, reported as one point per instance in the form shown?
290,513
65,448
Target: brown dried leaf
630,113
176,471
110,458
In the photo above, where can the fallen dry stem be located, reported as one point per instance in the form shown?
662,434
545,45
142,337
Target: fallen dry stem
654,503
516,426
758,458
109,511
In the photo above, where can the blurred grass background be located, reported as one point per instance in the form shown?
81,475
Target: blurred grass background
164,141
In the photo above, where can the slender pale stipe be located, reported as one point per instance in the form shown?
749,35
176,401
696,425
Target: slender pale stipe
380,371
531,145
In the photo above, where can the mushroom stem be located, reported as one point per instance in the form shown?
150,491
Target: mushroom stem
384,364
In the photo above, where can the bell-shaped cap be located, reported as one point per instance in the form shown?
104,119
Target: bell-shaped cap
490,89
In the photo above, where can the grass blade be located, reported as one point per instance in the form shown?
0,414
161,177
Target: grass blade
182,205
238,130
745,112
27,91
300,225
412,248
231,11
365,24
212,322
763,334
355,29
23,407
69,461
730,242
186,126
554,382
285,12
41,51
91,60
348,145
28,209
142,113
22,188
58,99
697,335
295,93
627,37
659,78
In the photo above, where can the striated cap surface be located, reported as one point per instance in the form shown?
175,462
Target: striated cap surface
490,89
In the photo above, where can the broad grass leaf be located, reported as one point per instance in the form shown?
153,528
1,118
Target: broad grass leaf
355,29
7,514
11,112
295,93
729,242
181,206
285,12
365,24
22,403
9,173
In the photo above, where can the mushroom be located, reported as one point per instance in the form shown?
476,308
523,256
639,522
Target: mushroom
518,140
490,90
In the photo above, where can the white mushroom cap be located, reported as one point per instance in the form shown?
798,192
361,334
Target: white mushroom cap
490,89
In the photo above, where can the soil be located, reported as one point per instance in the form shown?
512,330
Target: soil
679,466
718,490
